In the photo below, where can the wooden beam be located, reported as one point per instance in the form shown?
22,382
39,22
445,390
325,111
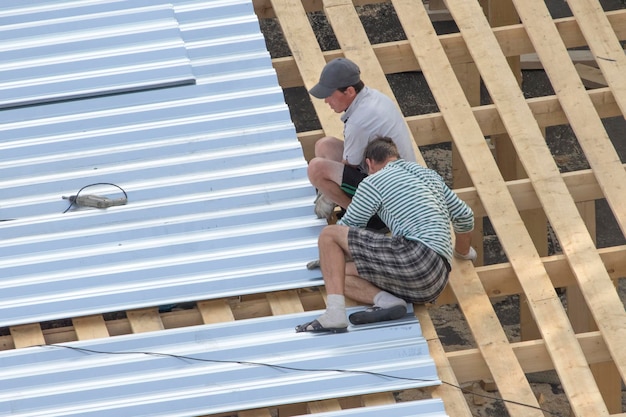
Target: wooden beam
27,335
604,44
492,340
532,355
533,62
308,58
577,244
323,406
502,13
469,78
90,327
258,412
285,302
606,374
500,280
430,129
545,305
379,398
591,76
145,320
453,399
582,186
265,9
546,110
580,111
215,311
397,56
597,148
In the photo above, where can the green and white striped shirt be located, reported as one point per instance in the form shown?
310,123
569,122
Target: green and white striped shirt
414,202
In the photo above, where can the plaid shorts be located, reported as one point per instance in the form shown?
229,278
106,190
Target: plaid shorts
407,269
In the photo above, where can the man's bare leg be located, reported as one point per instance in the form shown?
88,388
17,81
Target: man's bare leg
385,306
329,147
326,176
357,288
333,248
325,173
340,279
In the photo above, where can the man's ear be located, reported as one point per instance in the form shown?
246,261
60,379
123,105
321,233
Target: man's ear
368,163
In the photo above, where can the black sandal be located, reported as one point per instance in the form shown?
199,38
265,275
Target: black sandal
315,327
376,314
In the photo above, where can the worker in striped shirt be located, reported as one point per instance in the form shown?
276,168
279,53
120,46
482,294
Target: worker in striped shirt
410,264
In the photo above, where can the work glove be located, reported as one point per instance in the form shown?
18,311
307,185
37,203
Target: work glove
313,264
471,255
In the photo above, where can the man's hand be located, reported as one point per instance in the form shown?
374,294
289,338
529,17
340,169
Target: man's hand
463,246
471,255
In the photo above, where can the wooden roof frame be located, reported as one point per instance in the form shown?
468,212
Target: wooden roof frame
557,194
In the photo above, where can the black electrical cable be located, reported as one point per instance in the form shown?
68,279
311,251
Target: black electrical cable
291,368
72,202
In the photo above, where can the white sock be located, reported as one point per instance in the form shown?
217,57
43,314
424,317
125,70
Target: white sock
386,300
335,314
336,301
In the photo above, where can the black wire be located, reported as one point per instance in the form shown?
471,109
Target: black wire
91,185
292,368
281,367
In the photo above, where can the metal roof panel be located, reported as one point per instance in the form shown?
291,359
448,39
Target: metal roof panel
219,203
239,365
81,50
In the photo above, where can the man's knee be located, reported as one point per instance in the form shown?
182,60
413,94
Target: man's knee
334,234
325,236
329,147
321,170
317,170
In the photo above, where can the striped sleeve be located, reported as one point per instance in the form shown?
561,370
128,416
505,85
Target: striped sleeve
461,215
366,203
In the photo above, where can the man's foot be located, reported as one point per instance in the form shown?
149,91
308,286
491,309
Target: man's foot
315,327
376,314
323,207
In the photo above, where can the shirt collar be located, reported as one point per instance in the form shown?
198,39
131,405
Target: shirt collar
359,97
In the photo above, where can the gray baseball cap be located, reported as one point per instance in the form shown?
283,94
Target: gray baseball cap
338,73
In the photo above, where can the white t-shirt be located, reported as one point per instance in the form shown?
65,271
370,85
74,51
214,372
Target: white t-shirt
372,115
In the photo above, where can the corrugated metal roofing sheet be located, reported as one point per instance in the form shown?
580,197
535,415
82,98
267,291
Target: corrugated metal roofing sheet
226,374
59,52
219,204
218,198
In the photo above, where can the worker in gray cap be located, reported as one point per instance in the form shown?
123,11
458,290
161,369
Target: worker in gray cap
338,166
